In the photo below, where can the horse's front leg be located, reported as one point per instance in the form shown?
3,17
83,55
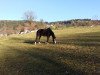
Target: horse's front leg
36,40
47,39
54,40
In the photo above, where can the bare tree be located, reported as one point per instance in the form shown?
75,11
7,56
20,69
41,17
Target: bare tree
29,17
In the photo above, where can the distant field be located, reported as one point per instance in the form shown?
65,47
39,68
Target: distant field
77,52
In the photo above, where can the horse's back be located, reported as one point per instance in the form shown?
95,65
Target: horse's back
41,32
45,32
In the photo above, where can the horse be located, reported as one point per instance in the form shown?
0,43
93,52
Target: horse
45,32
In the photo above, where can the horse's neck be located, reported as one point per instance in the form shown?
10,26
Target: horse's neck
53,35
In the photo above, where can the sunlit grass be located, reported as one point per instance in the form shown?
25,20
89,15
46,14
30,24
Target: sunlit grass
77,52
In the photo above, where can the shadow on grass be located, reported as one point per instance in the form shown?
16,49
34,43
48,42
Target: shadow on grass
39,61
33,42
83,39
23,40
29,41
36,61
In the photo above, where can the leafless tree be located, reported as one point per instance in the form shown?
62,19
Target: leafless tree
29,17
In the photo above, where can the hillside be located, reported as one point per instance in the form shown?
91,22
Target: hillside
8,27
77,52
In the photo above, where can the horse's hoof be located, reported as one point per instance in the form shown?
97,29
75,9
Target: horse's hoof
55,42
39,43
35,43
46,42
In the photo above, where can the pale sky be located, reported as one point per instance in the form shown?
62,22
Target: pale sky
50,10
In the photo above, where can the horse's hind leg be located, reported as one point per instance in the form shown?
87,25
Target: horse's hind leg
36,40
39,39
47,39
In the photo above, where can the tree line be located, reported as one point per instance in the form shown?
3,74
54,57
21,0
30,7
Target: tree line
78,22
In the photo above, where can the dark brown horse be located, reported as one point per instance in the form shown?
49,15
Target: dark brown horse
45,32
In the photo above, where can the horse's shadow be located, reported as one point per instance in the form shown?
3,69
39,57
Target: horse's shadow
29,41
33,42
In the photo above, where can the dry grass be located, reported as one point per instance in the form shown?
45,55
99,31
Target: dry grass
77,52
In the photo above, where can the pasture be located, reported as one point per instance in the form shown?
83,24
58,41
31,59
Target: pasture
77,52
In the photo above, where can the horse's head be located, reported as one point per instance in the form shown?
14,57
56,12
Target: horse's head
54,39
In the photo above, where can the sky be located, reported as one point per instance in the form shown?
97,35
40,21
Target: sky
50,10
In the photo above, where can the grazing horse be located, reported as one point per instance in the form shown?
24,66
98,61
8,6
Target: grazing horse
45,32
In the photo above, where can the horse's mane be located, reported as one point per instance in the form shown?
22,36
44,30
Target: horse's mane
52,33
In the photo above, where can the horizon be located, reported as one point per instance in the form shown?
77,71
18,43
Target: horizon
50,10
47,21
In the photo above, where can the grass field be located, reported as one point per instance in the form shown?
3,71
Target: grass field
77,52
